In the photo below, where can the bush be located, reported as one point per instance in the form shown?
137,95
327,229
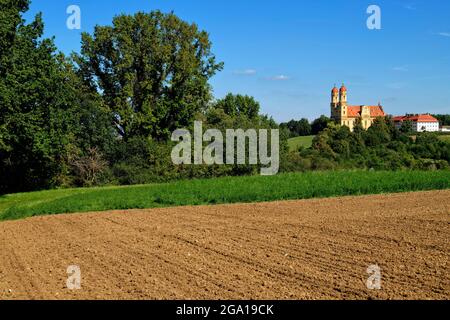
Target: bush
381,147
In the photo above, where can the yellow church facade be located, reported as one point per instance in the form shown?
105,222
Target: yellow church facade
347,115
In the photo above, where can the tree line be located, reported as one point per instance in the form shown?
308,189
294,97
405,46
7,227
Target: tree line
302,127
381,147
104,116
444,119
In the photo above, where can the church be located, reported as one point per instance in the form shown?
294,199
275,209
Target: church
346,115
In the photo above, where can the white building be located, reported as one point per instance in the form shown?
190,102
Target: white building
420,123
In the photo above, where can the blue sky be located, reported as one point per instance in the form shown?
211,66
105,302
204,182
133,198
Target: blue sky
289,53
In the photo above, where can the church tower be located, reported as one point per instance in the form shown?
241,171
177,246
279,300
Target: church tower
343,102
334,102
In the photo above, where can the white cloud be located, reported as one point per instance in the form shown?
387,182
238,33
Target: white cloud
444,34
280,77
246,72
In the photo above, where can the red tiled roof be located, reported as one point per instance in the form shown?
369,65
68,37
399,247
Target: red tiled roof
400,118
416,118
375,111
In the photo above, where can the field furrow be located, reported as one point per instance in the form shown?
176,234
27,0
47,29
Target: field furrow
308,249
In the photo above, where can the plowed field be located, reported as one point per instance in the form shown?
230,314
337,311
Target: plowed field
309,249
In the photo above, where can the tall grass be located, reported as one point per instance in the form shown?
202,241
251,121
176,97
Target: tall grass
223,190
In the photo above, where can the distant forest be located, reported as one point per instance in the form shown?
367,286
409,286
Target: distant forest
444,119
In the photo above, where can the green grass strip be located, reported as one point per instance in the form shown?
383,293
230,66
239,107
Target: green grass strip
297,142
222,190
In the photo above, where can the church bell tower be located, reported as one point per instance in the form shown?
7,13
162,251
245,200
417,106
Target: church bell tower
343,102
334,102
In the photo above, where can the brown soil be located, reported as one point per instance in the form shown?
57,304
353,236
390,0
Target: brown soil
312,249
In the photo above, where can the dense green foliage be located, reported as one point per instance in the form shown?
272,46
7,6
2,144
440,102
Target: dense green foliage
381,147
152,69
298,128
320,124
41,101
445,138
221,190
444,119
104,116
303,128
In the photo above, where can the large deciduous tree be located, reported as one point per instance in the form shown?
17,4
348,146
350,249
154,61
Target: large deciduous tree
10,17
41,104
239,106
152,70
29,126
319,124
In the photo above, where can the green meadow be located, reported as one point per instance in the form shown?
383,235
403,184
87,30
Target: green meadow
221,190
297,142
